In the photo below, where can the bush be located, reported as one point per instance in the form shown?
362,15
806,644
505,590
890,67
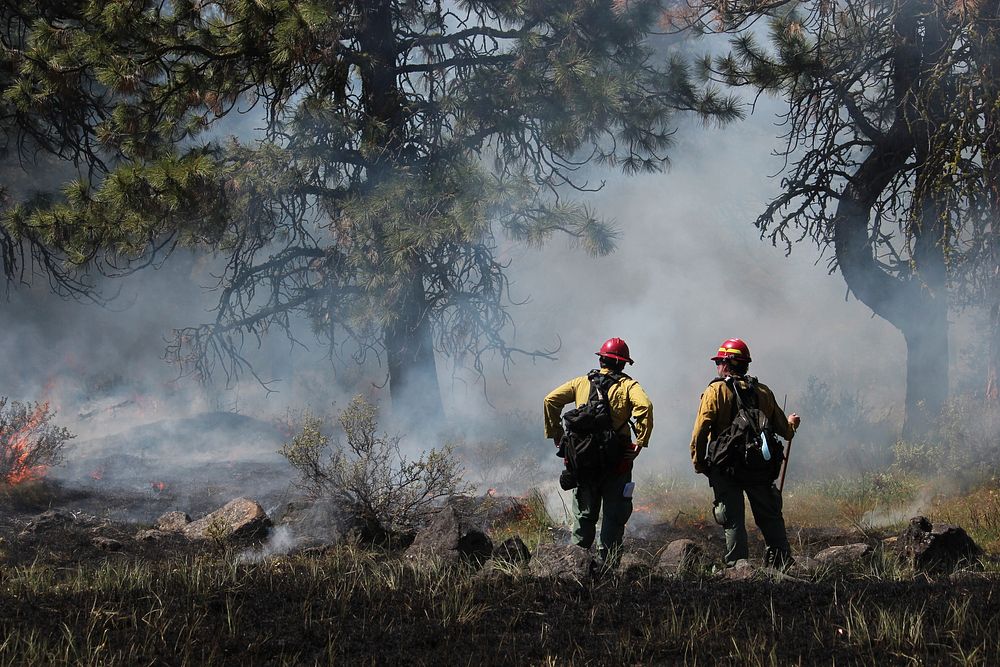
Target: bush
841,434
368,472
29,442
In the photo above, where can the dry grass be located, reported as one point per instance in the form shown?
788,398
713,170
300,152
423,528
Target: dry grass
359,607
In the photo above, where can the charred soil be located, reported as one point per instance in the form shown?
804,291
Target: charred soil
79,589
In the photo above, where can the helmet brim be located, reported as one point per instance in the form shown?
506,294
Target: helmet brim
615,356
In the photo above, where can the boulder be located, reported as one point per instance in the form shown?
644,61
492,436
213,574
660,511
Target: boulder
172,522
632,566
679,555
238,520
513,551
927,547
743,570
452,538
845,554
106,543
567,562
150,535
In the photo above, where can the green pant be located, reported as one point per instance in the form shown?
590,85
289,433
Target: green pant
588,500
765,504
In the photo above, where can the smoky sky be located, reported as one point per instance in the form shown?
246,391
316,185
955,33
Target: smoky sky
690,271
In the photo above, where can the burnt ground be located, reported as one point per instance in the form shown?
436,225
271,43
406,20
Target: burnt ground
68,576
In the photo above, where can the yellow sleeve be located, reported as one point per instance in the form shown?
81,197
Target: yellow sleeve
707,411
554,403
642,414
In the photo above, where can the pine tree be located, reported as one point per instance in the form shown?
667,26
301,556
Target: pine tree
400,140
891,156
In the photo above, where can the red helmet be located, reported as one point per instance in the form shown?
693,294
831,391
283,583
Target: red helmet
733,348
615,348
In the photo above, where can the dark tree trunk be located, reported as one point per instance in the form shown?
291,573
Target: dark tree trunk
409,344
914,302
987,53
413,382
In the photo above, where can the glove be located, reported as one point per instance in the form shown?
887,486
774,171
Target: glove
560,450
701,467
625,465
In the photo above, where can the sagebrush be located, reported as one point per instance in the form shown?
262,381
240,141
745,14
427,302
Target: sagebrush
29,441
367,471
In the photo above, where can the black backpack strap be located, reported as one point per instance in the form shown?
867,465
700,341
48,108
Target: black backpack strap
606,381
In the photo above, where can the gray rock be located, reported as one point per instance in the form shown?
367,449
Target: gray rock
450,537
743,570
927,547
513,551
238,520
172,522
846,554
679,555
151,535
106,543
567,562
632,566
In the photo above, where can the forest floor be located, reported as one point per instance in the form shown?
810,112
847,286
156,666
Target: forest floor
79,589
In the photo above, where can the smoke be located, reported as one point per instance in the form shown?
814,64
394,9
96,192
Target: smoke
689,272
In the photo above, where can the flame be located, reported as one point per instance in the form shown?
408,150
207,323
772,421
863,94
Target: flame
642,508
97,473
159,487
19,448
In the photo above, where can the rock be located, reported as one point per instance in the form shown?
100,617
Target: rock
743,570
567,562
679,555
172,522
151,535
238,520
804,566
450,537
106,543
513,551
927,547
632,566
843,555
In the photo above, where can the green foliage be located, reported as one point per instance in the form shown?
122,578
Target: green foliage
400,141
368,471
964,447
845,435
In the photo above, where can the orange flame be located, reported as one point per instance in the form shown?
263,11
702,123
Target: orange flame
19,448
159,487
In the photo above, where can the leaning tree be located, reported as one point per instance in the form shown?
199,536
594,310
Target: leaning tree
888,149
397,141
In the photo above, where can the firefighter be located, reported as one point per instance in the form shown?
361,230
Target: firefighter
612,490
718,408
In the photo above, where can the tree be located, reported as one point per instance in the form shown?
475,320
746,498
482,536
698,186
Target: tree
882,156
47,131
399,139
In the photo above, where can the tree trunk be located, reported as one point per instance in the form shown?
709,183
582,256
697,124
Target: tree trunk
413,383
408,339
915,302
987,54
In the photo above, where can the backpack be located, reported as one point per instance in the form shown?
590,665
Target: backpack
748,448
592,445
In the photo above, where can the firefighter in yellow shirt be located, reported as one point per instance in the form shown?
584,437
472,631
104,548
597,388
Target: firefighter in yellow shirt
611,489
716,413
